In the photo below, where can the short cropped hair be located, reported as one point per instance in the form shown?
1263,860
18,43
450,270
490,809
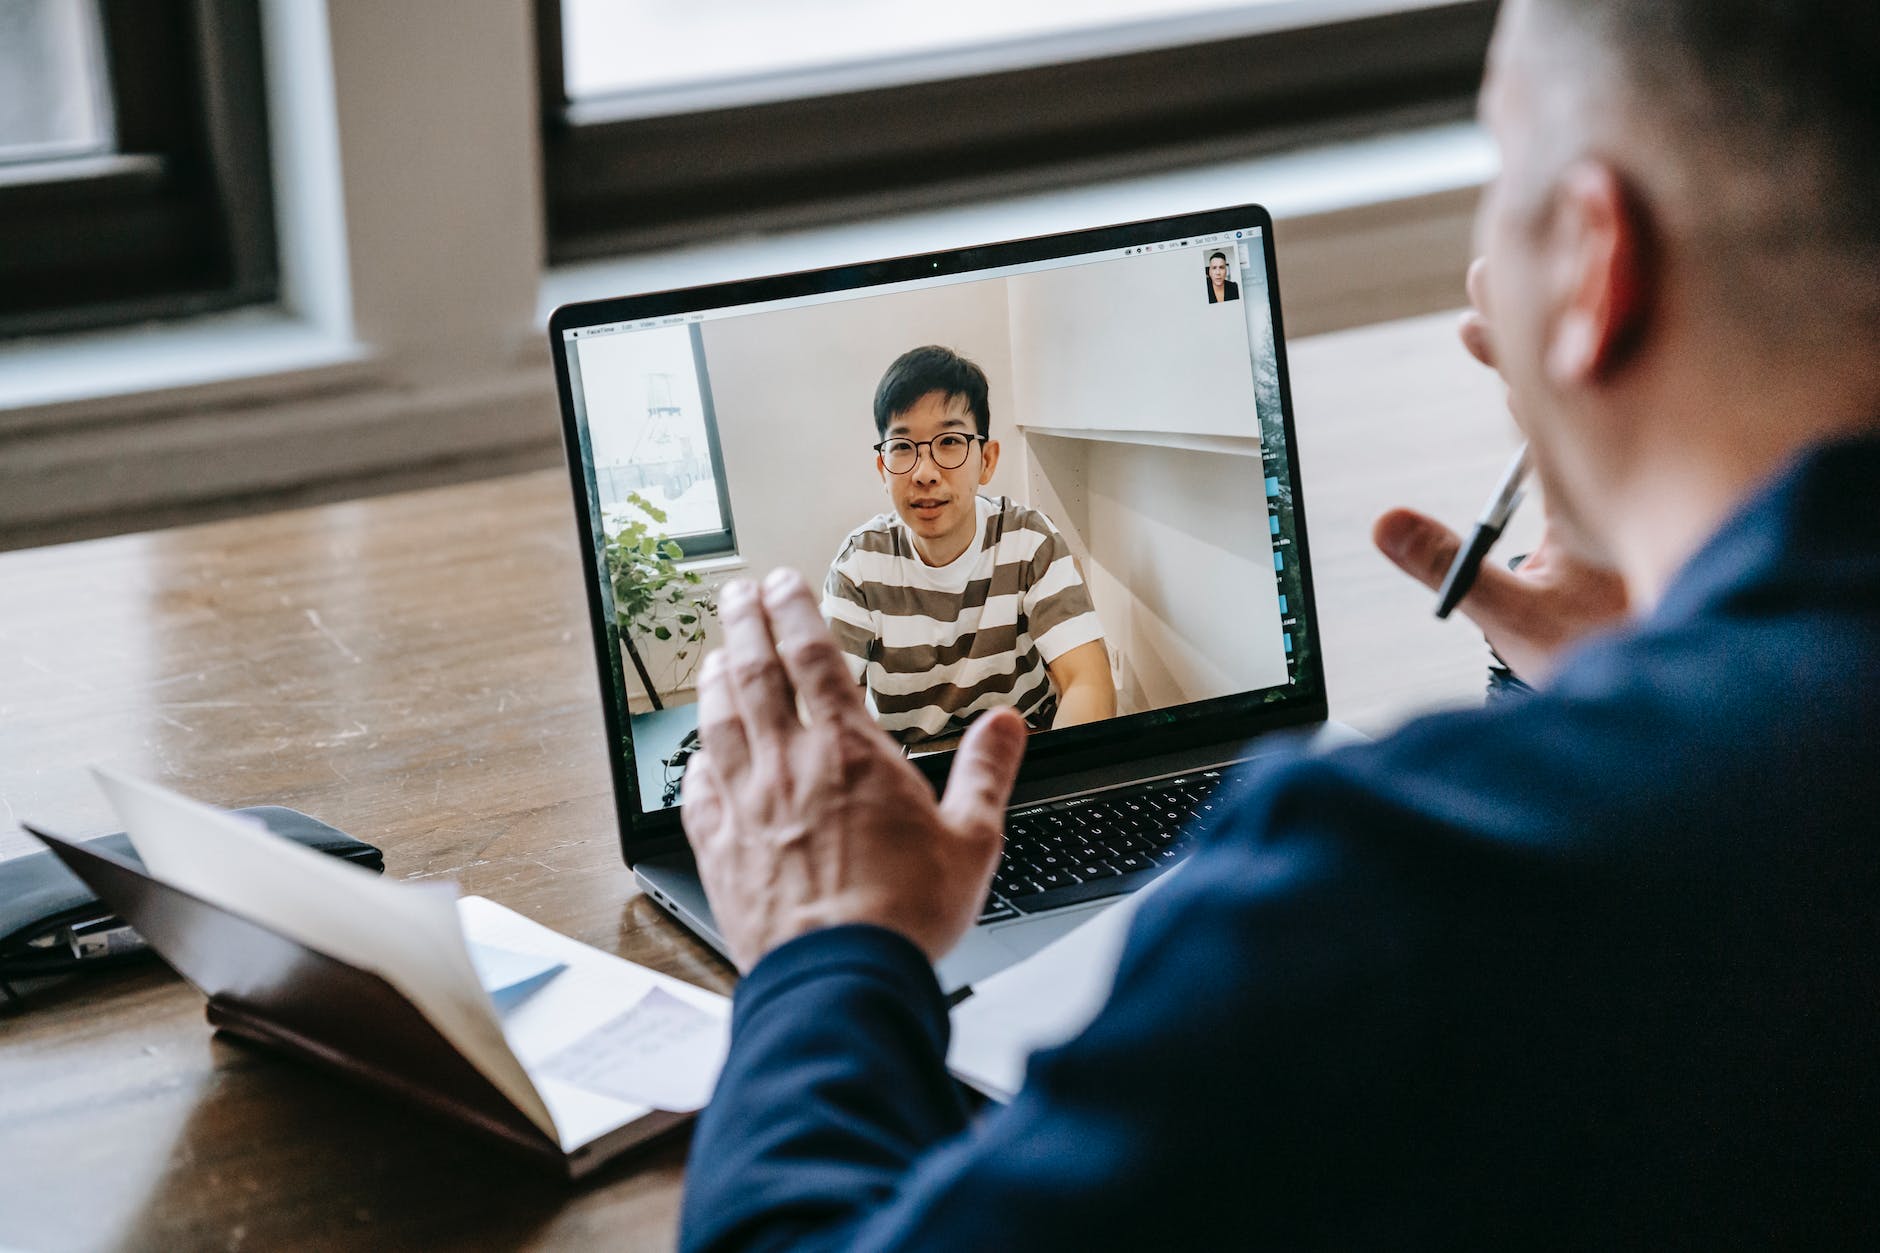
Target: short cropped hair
1212,255
1770,108
931,369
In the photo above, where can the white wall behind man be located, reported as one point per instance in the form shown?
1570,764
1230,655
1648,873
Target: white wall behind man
1130,345
1182,570
1173,541
1130,361
794,395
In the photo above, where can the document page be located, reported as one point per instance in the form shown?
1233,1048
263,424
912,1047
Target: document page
661,1052
1041,1002
605,1041
511,978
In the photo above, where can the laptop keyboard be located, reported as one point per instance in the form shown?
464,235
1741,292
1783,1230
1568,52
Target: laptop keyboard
1091,847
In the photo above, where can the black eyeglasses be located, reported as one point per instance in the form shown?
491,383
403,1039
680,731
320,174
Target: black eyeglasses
949,451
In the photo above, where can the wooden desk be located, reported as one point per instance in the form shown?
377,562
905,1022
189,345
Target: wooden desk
416,670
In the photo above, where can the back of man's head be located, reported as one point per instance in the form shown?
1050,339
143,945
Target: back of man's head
931,369
1752,130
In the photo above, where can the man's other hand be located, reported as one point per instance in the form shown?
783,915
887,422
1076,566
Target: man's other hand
1530,616
814,819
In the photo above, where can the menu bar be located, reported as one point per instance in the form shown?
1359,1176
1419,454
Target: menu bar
1031,267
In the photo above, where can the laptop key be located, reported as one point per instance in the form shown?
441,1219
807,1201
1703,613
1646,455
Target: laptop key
995,910
1090,890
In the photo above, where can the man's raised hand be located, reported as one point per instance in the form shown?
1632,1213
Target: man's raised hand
803,814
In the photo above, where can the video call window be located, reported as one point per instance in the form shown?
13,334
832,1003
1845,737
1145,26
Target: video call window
1059,487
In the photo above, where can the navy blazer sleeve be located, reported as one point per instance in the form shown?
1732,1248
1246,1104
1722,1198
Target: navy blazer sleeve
1257,993
1591,968
1581,969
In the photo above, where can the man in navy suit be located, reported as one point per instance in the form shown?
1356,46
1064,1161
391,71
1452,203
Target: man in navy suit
1599,966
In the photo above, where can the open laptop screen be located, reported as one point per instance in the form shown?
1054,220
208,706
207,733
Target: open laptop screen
1060,482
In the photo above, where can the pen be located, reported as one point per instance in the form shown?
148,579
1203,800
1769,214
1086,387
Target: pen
1488,528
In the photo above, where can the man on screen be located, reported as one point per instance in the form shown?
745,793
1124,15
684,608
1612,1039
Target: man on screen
1221,289
956,603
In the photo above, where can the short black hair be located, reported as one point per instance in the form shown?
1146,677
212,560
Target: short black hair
1221,255
931,369
1775,104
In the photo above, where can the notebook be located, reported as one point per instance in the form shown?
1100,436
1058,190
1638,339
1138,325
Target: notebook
466,1008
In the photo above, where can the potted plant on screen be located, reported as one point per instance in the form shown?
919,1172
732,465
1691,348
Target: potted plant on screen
653,597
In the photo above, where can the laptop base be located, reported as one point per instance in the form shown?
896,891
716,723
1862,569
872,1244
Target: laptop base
672,881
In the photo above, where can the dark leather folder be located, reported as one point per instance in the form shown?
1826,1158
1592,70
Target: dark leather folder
44,908
273,990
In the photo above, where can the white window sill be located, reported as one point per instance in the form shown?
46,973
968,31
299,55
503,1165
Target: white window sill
94,368
1360,173
714,567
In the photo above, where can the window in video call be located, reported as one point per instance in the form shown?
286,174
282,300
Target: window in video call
1059,486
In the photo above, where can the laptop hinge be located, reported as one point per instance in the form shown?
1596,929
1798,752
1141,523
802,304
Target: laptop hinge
1140,770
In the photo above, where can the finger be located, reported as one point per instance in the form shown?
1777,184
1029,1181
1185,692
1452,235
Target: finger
760,690
980,782
704,821
1424,549
1417,544
720,729
810,656
701,811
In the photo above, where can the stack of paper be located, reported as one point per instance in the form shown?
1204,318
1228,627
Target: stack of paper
1041,1002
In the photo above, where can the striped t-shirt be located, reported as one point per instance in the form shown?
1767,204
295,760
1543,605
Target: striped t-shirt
935,645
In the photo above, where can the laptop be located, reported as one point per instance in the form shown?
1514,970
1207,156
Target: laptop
1135,381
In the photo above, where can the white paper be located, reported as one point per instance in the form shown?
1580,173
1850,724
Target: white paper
509,976
658,1053
1041,1002
595,989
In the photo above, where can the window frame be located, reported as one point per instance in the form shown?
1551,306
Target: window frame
704,545
632,184
179,219
694,546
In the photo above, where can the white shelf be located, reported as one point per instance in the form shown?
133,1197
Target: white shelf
1225,445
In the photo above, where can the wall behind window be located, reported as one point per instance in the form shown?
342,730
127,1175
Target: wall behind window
408,349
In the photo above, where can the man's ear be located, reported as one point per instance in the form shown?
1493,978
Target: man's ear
1604,269
989,461
881,468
